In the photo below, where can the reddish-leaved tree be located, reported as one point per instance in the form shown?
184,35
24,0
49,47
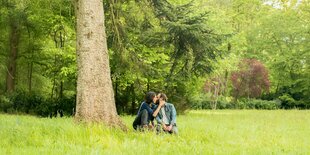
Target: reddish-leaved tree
251,79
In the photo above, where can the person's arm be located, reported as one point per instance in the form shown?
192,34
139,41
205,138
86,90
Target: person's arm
161,103
156,111
158,119
174,115
147,107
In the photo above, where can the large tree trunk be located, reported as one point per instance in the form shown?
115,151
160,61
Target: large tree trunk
95,97
30,65
133,99
11,68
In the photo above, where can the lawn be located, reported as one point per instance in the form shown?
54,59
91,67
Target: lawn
200,132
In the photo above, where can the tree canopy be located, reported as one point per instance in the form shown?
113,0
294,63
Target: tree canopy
177,47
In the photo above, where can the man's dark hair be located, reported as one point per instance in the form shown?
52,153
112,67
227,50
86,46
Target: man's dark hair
149,97
163,96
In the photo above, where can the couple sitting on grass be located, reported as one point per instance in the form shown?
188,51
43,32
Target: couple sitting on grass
156,106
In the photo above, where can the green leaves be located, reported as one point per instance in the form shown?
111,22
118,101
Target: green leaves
165,45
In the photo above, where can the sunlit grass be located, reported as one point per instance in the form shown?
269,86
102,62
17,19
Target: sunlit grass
201,132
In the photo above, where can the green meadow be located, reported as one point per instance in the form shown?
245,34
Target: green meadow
200,132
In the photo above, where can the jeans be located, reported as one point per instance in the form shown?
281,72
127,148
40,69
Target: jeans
141,120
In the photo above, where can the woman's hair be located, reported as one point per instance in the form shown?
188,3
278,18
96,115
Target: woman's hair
149,97
163,96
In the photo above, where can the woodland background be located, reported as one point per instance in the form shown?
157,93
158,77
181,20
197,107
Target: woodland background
204,54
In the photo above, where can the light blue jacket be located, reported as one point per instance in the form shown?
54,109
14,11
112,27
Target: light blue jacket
170,113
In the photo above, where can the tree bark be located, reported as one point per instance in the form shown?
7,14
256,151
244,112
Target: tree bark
30,65
95,97
11,68
61,90
133,99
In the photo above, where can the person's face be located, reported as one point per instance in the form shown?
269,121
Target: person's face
155,99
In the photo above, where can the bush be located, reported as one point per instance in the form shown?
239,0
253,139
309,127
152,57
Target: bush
23,102
226,103
26,103
52,107
288,102
264,104
5,104
258,104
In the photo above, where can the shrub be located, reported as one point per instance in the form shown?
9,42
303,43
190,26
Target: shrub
250,80
5,104
23,102
288,102
258,104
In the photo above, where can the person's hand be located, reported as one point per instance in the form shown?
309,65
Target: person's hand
164,127
169,128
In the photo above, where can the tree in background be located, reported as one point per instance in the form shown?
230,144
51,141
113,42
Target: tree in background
95,97
214,88
192,45
16,20
173,46
136,67
251,79
41,69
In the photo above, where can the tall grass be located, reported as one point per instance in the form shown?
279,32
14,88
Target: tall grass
200,132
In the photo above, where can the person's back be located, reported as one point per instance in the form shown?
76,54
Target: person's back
148,107
145,112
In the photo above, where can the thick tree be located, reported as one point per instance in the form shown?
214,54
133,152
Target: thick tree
95,97
11,69
14,22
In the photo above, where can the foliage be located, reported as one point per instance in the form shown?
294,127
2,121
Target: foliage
45,27
24,102
227,103
288,102
258,104
173,46
215,88
194,48
5,104
251,79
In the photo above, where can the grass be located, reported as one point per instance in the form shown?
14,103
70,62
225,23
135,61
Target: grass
200,132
